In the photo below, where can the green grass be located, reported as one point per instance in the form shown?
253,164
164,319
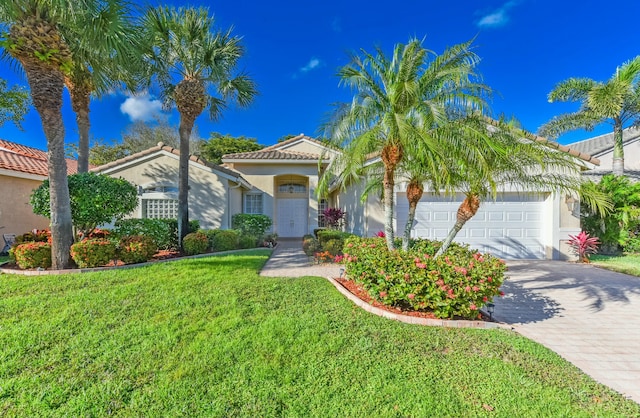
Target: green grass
209,337
629,264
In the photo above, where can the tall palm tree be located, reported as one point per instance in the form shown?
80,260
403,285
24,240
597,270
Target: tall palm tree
517,160
107,61
194,68
395,100
39,36
616,101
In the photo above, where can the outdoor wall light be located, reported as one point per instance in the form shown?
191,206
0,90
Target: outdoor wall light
341,272
571,202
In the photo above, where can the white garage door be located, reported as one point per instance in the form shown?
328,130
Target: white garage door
511,227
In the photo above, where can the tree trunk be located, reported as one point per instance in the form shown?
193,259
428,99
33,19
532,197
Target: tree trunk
186,126
618,148
46,86
80,102
415,191
391,155
467,210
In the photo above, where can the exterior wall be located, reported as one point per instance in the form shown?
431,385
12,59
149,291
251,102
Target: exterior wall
304,146
631,157
208,197
364,219
16,215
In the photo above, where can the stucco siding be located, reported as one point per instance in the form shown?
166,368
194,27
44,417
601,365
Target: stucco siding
631,157
16,214
207,195
305,147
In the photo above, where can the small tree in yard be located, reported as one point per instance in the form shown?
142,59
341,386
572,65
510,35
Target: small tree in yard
584,245
333,217
95,200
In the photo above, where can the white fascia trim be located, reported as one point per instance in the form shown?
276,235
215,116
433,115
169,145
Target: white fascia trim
266,161
21,175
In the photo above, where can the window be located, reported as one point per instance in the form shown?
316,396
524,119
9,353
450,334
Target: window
161,189
253,204
292,188
322,205
160,208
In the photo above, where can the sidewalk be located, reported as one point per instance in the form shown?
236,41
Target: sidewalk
288,260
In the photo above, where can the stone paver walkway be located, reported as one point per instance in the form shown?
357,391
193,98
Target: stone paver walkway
590,316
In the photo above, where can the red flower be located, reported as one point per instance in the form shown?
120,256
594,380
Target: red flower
411,296
383,294
473,307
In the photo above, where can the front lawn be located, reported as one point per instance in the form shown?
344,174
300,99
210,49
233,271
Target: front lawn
209,337
629,264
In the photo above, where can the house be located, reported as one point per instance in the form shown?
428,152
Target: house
601,147
22,169
281,180
215,192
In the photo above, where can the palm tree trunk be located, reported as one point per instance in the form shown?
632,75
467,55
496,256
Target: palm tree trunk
414,194
82,119
391,155
186,126
618,148
467,210
46,91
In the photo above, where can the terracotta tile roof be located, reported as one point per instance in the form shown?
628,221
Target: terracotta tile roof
602,143
275,152
175,151
24,159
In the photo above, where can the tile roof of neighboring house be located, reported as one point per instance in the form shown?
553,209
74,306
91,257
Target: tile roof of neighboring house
24,159
162,147
602,143
276,151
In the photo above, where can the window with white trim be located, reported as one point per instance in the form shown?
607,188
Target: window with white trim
322,205
253,204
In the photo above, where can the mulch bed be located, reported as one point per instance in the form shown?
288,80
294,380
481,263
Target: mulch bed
362,294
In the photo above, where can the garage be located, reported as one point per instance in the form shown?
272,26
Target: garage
511,227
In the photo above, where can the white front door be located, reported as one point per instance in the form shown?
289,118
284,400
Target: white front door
292,217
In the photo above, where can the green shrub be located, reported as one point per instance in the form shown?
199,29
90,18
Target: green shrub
226,239
37,235
270,240
195,243
136,249
164,232
247,241
93,252
454,285
310,245
331,234
333,246
211,234
249,224
33,255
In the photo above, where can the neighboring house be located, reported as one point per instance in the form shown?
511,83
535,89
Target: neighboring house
281,180
601,147
215,192
22,169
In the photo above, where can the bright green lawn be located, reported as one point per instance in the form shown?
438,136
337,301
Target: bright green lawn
629,264
208,337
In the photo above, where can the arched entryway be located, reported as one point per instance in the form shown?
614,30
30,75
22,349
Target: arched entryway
292,206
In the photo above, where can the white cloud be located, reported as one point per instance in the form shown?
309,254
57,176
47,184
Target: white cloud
143,107
498,17
311,65
335,25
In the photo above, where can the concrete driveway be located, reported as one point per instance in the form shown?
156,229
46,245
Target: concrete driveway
590,316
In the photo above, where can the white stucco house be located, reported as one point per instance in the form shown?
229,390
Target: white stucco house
281,180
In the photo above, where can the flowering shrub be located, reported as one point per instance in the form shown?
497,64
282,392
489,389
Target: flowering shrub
93,252
380,234
455,285
195,243
584,245
136,249
333,246
37,235
32,255
310,245
323,257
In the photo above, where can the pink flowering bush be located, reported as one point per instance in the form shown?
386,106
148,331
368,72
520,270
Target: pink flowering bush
454,285
32,255
93,252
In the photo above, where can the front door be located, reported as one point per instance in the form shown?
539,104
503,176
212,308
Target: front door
292,217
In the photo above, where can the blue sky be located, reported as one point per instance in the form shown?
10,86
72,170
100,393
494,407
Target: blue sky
294,48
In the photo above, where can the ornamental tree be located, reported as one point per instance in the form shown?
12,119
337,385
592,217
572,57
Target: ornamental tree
96,199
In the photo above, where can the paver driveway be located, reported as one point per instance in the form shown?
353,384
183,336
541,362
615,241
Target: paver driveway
590,316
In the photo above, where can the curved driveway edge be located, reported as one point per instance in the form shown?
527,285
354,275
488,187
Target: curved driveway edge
588,315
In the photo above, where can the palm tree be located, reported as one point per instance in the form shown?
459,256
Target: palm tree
188,61
616,101
396,100
106,62
39,36
516,159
